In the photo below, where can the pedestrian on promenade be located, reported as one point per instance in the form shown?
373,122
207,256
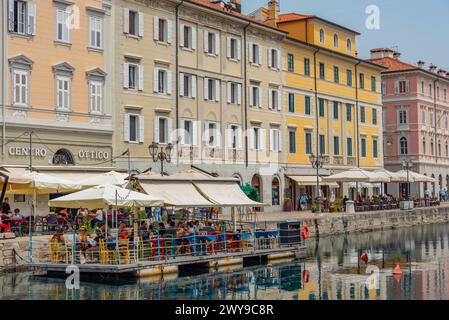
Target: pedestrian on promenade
303,201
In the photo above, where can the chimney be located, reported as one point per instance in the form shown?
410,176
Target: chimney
396,55
237,5
273,12
442,72
381,53
433,68
421,64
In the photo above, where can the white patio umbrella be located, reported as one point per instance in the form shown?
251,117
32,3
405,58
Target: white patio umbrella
356,175
111,177
401,177
41,183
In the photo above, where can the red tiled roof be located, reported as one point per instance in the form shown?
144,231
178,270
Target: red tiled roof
393,64
286,17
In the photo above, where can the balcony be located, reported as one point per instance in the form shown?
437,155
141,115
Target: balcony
338,160
351,161
234,155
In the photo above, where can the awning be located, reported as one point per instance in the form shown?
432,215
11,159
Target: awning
304,181
180,194
226,194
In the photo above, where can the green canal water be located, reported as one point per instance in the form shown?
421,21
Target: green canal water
334,271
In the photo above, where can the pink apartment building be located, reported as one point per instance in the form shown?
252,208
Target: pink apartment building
415,119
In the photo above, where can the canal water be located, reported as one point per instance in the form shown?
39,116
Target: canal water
333,271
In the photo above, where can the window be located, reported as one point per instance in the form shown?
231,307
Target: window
22,17
274,58
291,63
162,129
402,115
187,37
133,76
234,93
423,116
362,114
307,105
430,90
401,86
162,81
432,119
20,88
188,136
439,148
349,45
336,75
212,135
374,116
322,36
335,110
96,97
233,48
211,89
308,143
336,146
255,54
363,144
322,71
291,102
162,30
257,138
373,84
95,32
447,149
255,96
274,99
446,121
424,145
349,77
133,22
403,146
292,141
187,85
306,66
63,93
335,40
375,153
275,140
211,43
63,24
438,92
422,87
349,146
234,136
348,112
134,128
432,150
321,107
322,144
384,88
362,81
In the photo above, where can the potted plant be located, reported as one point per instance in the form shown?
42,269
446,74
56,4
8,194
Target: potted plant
313,207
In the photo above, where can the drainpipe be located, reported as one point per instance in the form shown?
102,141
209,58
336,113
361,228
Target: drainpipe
245,89
4,72
357,115
177,70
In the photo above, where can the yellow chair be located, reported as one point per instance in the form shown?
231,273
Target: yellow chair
245,244
123,251
106,256
54,250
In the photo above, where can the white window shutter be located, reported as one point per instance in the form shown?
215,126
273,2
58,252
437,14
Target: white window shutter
31,7
239,138
193,79
407,85
396,87
251,96
156,80
141,78
206,89
181,84
11,15
280,100
251,138
195,133
141,129
280,140
206,40
126,128
262,138
228,93
217,136
156,28
217,90
270,98
239,49
250,52
279,59
182,136
217,44
125,20
193,38
228,47
181,35
260,54
169,30
239,94
126,75
270,57
169,82
140,24
156,129
228,134
260,98
271,139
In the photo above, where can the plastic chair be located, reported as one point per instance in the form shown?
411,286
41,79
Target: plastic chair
123,251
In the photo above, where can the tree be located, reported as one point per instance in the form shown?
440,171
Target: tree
251,192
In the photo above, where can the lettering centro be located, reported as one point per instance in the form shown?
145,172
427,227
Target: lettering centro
93,155
23,152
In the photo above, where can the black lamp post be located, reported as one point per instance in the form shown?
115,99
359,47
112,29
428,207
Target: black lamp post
407,164
317,163
162,155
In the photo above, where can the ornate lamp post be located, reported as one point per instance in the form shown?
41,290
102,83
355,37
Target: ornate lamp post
407,165
317,163
162,155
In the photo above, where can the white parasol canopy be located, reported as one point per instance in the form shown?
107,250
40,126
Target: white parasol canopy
41,183
357,175
104,196
401,177
111,177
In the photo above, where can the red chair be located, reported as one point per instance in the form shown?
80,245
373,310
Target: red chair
155,244
4,227
213,245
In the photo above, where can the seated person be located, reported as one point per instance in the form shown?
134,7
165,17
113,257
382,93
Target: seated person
123,232
161,228
17,214
171,229
82,239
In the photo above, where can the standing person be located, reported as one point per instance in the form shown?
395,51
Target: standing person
303,201
6,208
157,214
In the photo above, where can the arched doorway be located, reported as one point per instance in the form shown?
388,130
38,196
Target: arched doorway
63,157
275,192
239,177
256,183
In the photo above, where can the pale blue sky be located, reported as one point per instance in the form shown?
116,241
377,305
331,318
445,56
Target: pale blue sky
417,28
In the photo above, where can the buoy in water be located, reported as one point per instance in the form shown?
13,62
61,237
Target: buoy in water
397,270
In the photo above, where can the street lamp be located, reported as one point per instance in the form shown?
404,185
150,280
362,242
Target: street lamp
162,155
407,164
317,163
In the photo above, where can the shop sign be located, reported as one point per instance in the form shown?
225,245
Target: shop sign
25,152
93,155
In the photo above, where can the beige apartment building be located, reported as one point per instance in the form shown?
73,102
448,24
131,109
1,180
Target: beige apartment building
206,79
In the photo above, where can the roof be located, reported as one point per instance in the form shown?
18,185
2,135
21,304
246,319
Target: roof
289,17
393,64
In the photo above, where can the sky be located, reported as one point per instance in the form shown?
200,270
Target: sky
416,28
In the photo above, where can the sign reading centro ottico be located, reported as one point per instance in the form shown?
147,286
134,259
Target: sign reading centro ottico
43,152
